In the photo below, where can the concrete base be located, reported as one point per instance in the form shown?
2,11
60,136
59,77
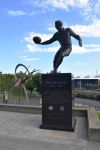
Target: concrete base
93,125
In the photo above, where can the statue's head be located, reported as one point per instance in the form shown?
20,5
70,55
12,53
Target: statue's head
58,24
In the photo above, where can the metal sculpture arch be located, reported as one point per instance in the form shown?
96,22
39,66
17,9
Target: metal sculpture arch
22,78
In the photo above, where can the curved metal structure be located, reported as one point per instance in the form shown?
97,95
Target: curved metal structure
22,79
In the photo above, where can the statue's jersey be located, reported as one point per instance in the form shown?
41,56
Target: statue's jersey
64,38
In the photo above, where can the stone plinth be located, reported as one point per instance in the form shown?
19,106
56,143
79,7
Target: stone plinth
57,102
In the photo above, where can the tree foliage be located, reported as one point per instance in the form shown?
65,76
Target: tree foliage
35,83
7,82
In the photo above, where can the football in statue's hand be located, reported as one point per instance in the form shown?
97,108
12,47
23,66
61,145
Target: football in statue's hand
37,39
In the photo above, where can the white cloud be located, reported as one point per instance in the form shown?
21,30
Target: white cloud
62,4
33,48
88,8
75,49
92,30
83,30
92,10
16,13
39,48
52,29
78,50
29,37
85,49
27,58
87,5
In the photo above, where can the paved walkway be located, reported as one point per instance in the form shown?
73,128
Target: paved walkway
19,131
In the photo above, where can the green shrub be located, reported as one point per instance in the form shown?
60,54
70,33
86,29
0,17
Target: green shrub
85,95
98,97
90,86
98,113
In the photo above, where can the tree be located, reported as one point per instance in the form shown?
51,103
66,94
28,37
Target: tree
29,86
35,83
6,82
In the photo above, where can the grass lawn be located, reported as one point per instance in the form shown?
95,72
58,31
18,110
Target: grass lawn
98,114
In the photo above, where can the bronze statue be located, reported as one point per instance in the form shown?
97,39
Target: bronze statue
63,35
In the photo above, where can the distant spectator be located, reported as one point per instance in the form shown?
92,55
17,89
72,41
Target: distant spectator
5,97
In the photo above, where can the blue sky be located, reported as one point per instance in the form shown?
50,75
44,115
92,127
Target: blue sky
22,20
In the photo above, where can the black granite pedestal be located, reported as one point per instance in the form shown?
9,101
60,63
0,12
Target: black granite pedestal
57,112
